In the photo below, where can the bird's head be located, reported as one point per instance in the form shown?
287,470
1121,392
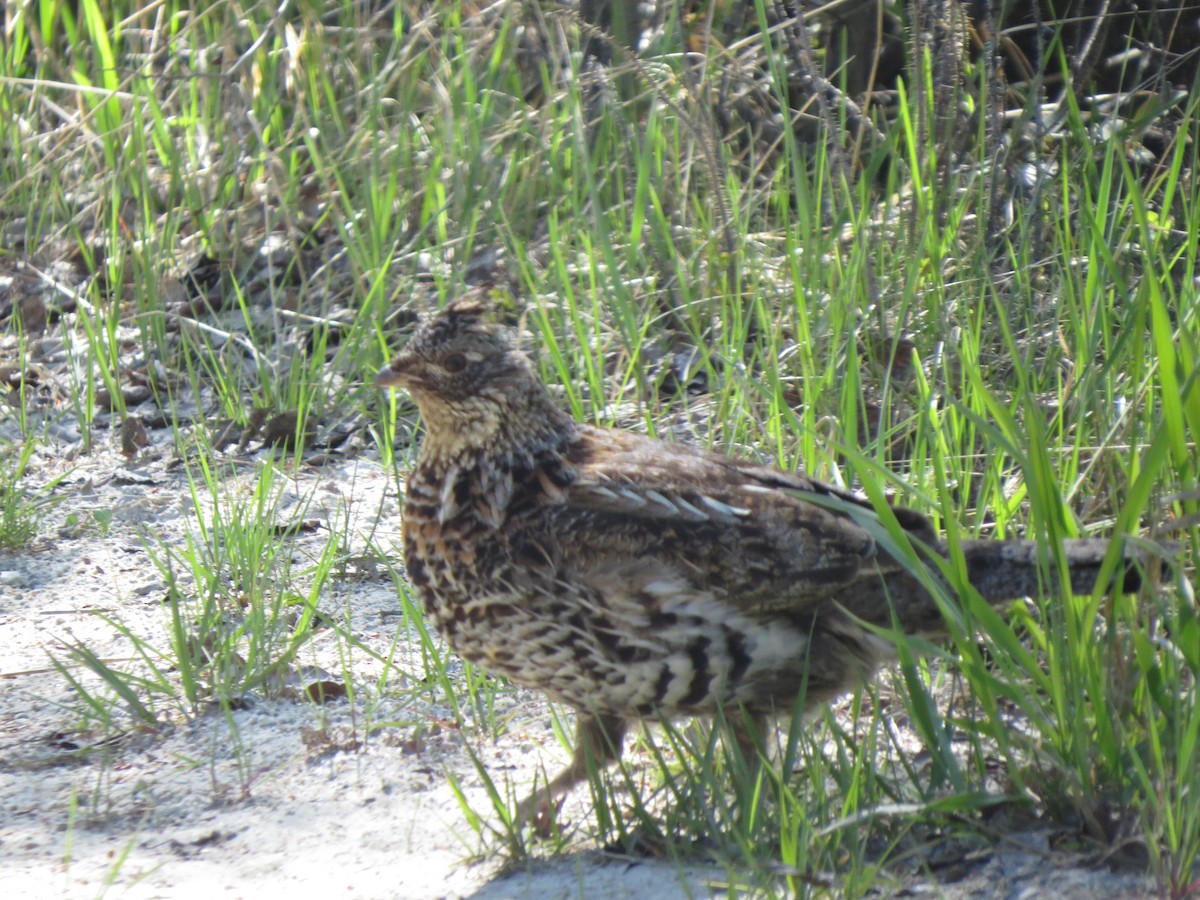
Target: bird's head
473,385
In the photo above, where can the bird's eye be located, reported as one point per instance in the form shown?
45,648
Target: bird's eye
454,363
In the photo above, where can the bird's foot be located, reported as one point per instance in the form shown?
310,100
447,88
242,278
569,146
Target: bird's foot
539,811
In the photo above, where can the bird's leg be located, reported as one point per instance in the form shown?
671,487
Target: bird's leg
748,732
598,742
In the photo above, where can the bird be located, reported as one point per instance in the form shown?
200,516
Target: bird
632,578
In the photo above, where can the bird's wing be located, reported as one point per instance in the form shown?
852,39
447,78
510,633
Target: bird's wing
742,532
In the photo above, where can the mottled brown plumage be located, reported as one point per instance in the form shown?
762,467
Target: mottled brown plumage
632,578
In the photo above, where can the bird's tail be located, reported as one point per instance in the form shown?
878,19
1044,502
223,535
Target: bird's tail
998,570
1006,570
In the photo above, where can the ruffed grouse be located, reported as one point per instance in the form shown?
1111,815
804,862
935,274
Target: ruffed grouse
629,577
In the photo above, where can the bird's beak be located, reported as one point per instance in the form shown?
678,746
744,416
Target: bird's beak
395,374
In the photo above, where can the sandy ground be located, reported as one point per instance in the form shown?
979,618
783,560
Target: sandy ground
285,797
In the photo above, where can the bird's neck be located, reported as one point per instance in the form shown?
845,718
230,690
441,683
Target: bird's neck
485,434
458,475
